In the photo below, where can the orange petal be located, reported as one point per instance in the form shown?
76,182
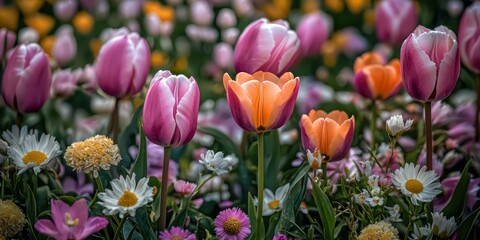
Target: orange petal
314,115
367,59
243,77
338,116
226,81
338,140
244,97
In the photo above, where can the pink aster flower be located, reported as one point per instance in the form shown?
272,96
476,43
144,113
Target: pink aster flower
232,224
177,233
184,188
70,222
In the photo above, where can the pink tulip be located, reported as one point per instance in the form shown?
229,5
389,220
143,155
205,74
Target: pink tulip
269,47
469,37
313,30
64,83
70,222
65,9
226,18
223,55
395,20
122,65
130,9
171,109
7,40
201,13
65,47
430,63
27,79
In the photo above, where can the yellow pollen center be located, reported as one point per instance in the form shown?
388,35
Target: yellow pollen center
128,199
414,186
34,156
70,222
273,204
177,238
232,226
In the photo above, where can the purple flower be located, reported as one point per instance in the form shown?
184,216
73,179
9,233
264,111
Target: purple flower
449,185
280,236
232,224
79,186
70,222
177,233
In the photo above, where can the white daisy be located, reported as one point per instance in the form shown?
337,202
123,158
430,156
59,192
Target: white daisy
16,135
396,126
274,203
420,233
217,163
126,196
29,152
417,183
443,227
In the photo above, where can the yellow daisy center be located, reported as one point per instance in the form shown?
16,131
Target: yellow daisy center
232,226
70,222
34,156
177,238
128,199
273,204
414,186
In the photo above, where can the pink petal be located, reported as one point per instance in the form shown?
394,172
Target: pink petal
79,210
93,225
47,227
361,84
141,64
240,114
288,107
187,112
448,73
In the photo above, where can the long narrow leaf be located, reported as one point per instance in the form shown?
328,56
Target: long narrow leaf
325,210
456,204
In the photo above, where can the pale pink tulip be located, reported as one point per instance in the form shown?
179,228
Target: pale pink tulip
7,40
64,83
313,30
223,55
395,20
65,9
469,38
226,18
65,47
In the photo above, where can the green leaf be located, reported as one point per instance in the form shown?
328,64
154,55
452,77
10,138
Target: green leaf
181,217
31,204
130,233
272,159
140,165
456,204
466,226
153,181
252,214
143,223
325,211
128,138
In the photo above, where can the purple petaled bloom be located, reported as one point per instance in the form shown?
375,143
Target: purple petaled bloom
313,31
280,236
398,20
449,185
79,186
176,233
70,222
232,224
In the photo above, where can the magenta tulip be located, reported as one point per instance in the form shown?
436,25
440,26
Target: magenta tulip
223,55
70,222
64,83
27,79
268,47
469,38
430,63
65,47
122,65
65,9
395,20
7,40
313,30
171,109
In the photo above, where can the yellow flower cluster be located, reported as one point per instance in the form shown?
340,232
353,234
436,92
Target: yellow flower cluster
379,231
12,219
92,155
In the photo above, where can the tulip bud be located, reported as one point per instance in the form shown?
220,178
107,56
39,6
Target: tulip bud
270,47
170,110
469,37
65,46
223,55
7,40
430,63
64,83
27,79
201,12
230,35
129,9
65,9
122,65
152,24
226,18
313,30
28,35
395,20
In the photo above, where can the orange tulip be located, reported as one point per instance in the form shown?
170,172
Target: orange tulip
374,79
327,134
41,22
261,102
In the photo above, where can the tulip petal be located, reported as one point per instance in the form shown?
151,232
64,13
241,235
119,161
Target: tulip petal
341,142
59,208
48,228
337,116
435,44
362,84
308,134
187,110
114,78
93,225
449,71
141,65
240,107
284,104
79,210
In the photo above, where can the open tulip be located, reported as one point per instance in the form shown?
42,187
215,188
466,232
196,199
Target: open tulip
27,79
313,30
395,20
171,109
122,65
261,102
430,63
469,37
327,134
374,79
264,46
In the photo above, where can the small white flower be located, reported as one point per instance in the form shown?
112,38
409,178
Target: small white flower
373,181
367,167
420,233
417,183
303,208
394,213
443,227
314,159
126,196
361,197
217,163
396,126
274,203
375,201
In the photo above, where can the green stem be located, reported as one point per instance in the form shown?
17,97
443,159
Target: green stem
99,184
19,120
428,123
324,173
120,226
163,196
260,181
373,125
113,126
35,183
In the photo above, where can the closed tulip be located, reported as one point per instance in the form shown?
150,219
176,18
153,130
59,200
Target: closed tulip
469,37
64,10
327,135
395,20
261,102
269,47
7,40
122,65
313,31
27,79
65,46
374,79
430,63
171,109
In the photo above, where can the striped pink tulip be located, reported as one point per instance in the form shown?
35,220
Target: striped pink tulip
170,110
469,38
395,20
313,31
27,79
430,63
268,47
122,65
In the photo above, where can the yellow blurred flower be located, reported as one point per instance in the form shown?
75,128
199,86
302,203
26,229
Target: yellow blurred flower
309,6
277,9
9,18
180,64
47,44
95,45
329,53
356,6
165,13
83,22
158,59
29,7
335,6
369,17
41,22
